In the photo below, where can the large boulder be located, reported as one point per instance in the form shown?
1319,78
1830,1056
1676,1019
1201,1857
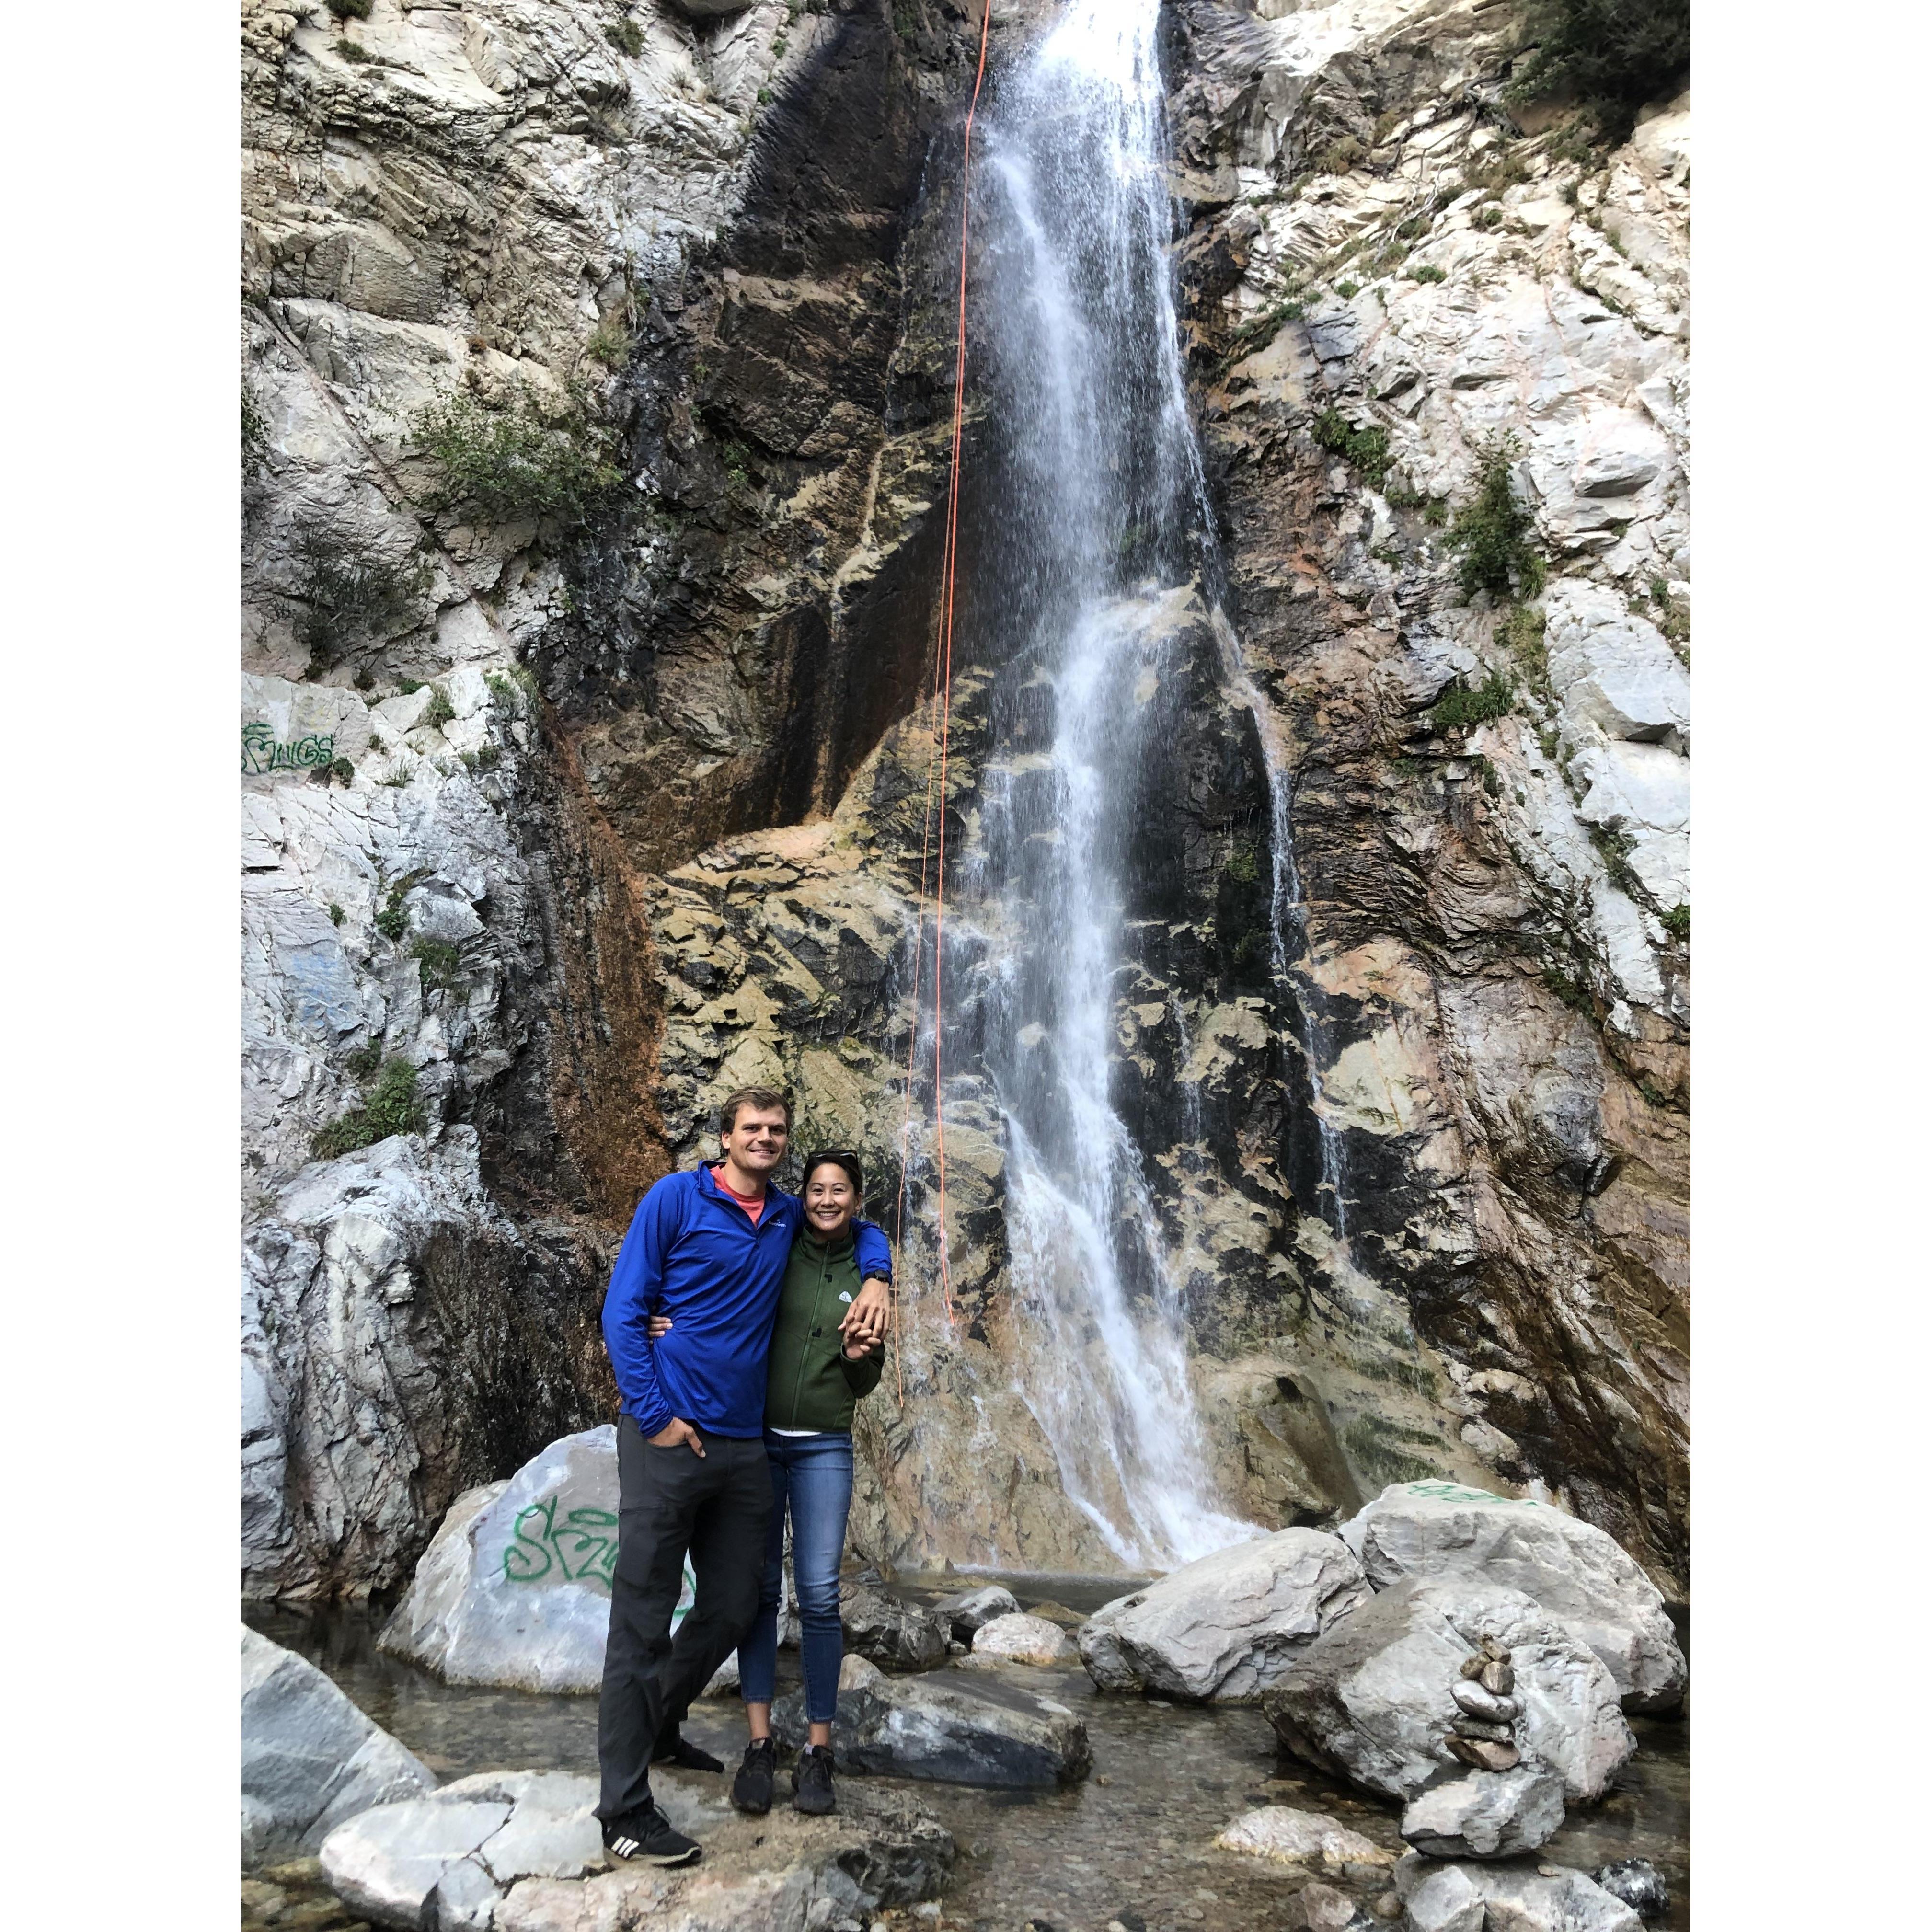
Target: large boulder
1227,1626
987,1731
310,1759
898,1635
1439,1898
520,1852
1485,1814
1580,1574
515,1589
1373,1699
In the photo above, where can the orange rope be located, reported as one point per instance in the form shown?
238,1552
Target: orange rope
943,707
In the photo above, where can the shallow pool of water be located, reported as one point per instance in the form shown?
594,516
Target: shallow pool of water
1133,1842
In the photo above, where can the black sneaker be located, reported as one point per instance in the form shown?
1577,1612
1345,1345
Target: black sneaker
812,1781
646,1837
672,1748
751,1788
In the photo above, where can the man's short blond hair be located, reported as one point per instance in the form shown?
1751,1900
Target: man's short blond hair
760,1097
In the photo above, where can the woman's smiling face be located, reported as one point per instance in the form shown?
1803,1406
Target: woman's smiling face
829,1200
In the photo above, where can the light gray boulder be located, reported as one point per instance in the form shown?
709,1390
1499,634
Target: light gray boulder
1581,1576
1227,1626
984,1730
310,1759
1370,1700
971,1608
1485,1814
464,1846
1020,1639
1285,1836
1460,1897
515,1589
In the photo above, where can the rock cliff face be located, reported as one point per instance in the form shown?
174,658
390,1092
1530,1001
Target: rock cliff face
652,825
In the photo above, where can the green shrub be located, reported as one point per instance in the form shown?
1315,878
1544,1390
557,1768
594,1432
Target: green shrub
513,462
342,591
1522,632
1493,530
1348,291
352,9
356,56
363,1062
1571,992
440,711
1460,708
391,1106
627,37
364,679
1489,216
610,342
342,771
905,18
1427,272
1677,923
336,914
1339,156
393,921
1366,449
1615,56
441,962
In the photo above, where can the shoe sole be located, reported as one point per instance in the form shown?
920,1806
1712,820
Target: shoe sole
750,1810
816,1810
691,1857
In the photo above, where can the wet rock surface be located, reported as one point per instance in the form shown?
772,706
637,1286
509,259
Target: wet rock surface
1136,1836
1542,1896
1485,1814
893,1633
964,1727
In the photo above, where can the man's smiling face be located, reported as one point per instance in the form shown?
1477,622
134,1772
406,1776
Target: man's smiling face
755,1142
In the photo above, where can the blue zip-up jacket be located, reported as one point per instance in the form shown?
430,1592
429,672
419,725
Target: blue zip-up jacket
694,1254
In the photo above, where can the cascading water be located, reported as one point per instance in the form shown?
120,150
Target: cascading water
1100,556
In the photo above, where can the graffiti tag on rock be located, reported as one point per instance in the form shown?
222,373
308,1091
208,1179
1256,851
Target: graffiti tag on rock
262,752
580,1549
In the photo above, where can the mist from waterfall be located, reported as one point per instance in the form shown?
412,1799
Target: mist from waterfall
1103,538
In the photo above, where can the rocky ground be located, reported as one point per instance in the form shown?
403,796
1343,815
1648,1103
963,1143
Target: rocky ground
560,821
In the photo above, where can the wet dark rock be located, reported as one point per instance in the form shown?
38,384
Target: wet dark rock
1638,1884
897,1635
978,1730
968,1611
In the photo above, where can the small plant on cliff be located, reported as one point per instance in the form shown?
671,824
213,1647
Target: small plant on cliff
1677,923
440,961
1493,530
254,430
352,9
343,590
1428,272
906,20
610,342
627,37
356,56
1367,449
1459,708
440,711
1522,632
517,462
391,1106
1615,56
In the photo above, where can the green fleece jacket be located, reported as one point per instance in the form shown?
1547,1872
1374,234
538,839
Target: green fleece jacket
810,1383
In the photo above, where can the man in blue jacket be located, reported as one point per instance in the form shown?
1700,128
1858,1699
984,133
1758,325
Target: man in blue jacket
708,1248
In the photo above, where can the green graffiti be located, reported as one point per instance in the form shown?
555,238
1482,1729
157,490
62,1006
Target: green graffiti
582,1549
1454,1492
261,751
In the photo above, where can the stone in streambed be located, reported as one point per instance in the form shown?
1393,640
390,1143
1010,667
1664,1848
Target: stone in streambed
1020,1639
900,1636
984,1730
1291,1837
1485,1814
310,1759
1370,1700
1227,1626
968,1611
1580,1575
1638,1884
1464,1898
1321,1908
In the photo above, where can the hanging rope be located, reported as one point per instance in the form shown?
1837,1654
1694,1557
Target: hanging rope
942,676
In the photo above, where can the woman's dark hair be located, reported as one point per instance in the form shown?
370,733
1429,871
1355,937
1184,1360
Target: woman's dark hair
836,1157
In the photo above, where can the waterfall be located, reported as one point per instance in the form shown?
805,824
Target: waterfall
1101,539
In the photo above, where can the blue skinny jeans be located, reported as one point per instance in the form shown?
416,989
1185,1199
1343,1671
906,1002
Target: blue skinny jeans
811,1475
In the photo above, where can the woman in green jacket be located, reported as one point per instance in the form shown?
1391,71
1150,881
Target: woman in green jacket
815,1380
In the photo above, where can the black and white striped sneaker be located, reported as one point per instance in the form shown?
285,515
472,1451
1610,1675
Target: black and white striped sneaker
647,1837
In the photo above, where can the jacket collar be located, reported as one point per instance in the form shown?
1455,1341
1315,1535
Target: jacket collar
775,1197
